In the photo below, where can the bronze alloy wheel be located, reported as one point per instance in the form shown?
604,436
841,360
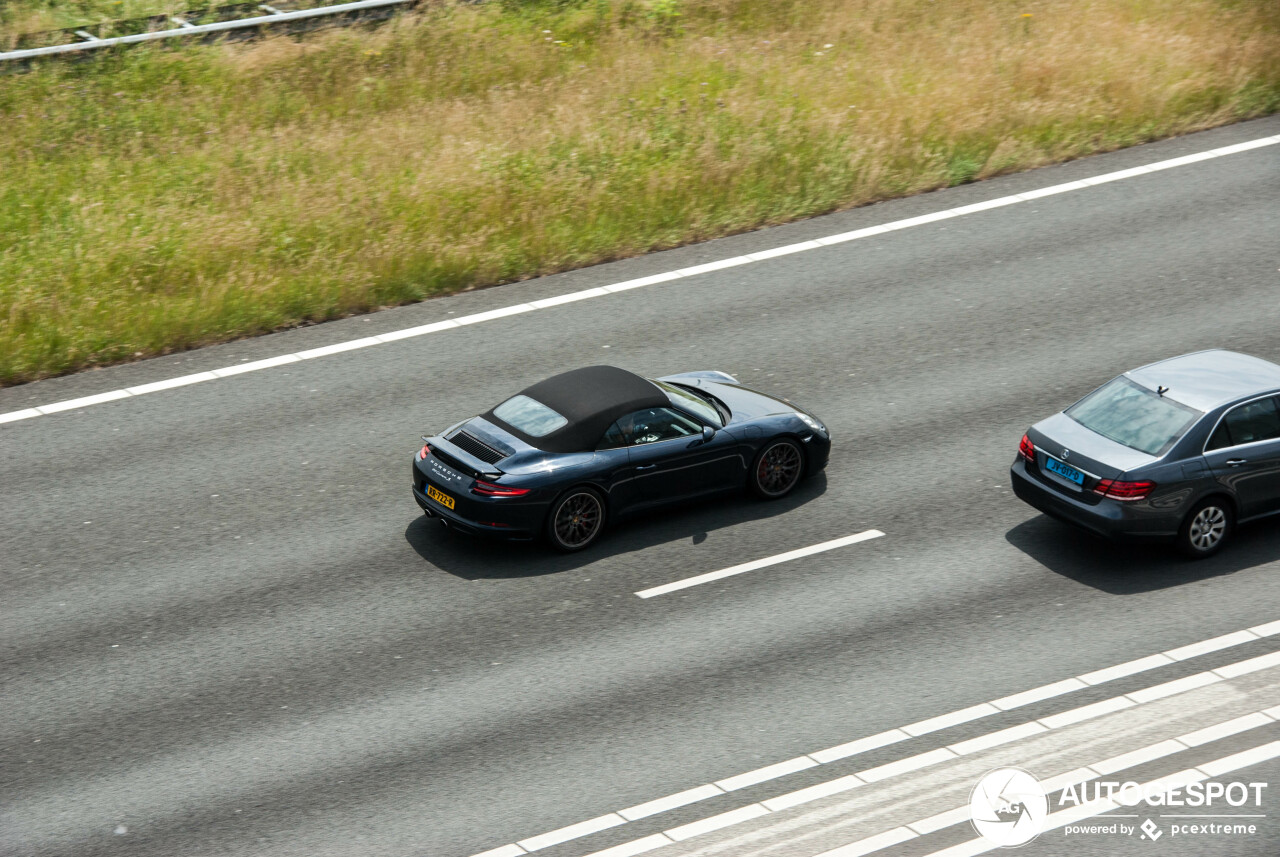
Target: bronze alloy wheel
778,469
576,520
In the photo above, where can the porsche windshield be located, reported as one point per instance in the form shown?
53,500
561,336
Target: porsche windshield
695,404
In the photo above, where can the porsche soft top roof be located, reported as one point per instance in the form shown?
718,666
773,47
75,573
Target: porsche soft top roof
590,399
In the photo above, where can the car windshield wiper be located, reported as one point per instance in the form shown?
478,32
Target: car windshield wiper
721,408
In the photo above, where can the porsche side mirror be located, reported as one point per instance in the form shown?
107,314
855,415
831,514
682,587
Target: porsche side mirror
707,433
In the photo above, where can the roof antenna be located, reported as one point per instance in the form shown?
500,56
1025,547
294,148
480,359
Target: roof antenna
1161,390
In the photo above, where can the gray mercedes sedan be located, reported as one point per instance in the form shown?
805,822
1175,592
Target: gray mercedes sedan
1180,450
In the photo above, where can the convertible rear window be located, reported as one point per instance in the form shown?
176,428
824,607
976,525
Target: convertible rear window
529,416
1130,414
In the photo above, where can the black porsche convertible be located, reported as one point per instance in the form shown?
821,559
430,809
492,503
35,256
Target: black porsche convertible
568,454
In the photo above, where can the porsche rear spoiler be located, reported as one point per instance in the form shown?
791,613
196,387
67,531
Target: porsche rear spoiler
461,460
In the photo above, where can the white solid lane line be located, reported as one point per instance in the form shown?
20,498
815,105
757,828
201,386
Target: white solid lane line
759,563
601,291
966,715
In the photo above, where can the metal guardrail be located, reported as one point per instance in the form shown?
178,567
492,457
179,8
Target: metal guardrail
359,10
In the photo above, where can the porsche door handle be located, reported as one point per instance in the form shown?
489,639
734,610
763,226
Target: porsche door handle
1236,462
647,467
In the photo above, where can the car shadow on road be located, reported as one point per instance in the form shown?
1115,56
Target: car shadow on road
1127,569
474,558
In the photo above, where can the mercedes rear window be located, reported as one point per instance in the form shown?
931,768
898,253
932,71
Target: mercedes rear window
529,416
1129,413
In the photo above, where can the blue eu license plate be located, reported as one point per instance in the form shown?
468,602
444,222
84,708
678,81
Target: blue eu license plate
1066,472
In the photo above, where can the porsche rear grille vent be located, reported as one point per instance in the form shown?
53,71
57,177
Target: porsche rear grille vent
477,447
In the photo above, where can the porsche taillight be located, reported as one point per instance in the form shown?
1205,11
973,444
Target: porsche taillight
490,489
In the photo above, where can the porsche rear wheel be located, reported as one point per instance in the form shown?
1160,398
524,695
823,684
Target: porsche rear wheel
576,520
777,469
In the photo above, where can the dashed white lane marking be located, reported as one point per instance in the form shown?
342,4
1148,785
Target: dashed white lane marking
972,745
1243,759
907,765
955,718
872,843
670,802
1225,730
1204,647
1141,756
636,846
602,291
862,745
1177,686
759,563
761,775
1130,668
1261,662
995,739
812,793
716,822
1087,712
512,850
1037,694
573,831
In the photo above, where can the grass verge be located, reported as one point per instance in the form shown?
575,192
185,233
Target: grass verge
162,198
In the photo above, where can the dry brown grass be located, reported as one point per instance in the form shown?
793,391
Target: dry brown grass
164,199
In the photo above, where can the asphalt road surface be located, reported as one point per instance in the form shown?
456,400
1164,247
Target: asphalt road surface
226,629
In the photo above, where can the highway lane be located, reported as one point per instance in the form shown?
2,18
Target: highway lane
256,646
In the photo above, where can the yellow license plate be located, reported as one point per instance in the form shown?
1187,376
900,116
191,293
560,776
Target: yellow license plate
440,497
